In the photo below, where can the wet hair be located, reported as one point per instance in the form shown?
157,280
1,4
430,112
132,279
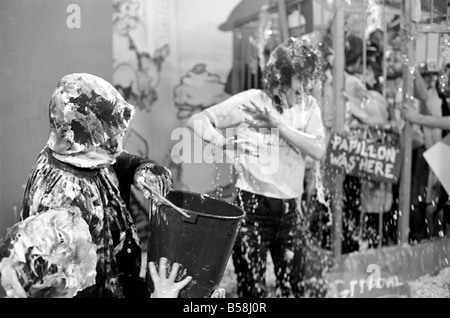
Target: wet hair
353,50
394,24
293,58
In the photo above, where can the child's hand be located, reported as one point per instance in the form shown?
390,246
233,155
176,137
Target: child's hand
219,293
166,287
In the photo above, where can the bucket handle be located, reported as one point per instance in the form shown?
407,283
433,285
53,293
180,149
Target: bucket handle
164,200
191,219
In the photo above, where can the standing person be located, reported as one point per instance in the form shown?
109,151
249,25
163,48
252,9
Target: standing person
270,197
84,166
435,117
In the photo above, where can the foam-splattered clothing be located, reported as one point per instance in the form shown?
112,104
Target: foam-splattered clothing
96,192
84,166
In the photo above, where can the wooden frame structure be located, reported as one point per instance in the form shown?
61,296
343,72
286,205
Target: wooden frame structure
246,27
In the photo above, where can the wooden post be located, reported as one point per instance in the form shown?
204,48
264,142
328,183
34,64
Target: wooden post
384,28
237,43
384,25
338,88
284,28
405,181
363,37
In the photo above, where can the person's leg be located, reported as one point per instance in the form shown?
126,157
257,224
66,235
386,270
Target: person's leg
351,214
370,230
289,240
390,228
250,249
447,220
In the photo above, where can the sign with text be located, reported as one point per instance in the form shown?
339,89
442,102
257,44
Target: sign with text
370,160
361,285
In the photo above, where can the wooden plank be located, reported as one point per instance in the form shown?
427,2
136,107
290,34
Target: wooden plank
255,15
432,12
338,88
405,181
243,60
364,59
363,285
282,16
308,13
433,28
396,265
235,82
384,26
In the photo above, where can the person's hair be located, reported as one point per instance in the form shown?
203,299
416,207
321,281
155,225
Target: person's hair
353,50
395,24
294,57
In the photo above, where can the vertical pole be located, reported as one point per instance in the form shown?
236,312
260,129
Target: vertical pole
237,57
243,56
364,57
408,90
384,26
338,88
284,28
438,62
432,12
299,8
447,16
322,16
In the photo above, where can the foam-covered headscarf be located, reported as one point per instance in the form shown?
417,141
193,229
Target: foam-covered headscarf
86,112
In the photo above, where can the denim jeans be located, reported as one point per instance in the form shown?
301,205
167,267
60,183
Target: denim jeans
271,225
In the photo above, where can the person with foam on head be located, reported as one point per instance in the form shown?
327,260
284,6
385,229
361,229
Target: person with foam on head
84,166
281,119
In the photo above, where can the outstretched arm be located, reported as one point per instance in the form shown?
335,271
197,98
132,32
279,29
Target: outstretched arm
308,144
426,120
226,114
202,125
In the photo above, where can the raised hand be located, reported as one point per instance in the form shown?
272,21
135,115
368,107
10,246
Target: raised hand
219,293
240,146
166,287
410,114
258,118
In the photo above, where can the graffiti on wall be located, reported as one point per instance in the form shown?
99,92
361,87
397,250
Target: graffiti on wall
138,75
137,82
198,90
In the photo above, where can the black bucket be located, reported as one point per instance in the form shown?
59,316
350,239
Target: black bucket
201,244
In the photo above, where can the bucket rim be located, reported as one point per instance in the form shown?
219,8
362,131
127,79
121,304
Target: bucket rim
205,214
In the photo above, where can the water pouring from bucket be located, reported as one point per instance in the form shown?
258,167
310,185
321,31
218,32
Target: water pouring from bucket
200,239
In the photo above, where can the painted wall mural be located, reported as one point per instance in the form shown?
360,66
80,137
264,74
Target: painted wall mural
137,81
198,89
138,74
164,64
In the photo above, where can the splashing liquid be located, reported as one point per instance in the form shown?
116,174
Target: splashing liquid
321,192
303,109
